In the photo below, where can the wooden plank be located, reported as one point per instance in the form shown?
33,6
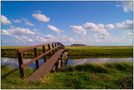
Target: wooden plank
46,67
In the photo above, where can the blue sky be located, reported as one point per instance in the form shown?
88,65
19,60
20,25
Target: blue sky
91,23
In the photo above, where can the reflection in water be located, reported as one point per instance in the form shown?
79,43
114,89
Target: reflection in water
73,62
13,62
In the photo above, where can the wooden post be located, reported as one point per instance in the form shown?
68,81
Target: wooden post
43,47
56,65
20,59
49,49
53,47
58,47
61,59
35,55
66,60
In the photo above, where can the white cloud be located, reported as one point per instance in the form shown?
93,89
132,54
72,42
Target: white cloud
4,32
54,29
110,26
94,27
16,20
27,22
66,38
5,20
41,17
26,36
100,32
125,25
98,29
17,31
103,36
78,29
127,6
23,38
49,36
90,26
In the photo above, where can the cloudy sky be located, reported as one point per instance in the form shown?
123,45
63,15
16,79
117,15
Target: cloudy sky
91,23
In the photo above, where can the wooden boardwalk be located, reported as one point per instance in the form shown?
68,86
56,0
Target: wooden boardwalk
46,67
55,53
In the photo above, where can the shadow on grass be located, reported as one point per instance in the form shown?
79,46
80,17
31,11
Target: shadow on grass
89,68
102,68
9,73
3,66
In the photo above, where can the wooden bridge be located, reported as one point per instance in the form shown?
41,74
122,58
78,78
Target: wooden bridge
56,53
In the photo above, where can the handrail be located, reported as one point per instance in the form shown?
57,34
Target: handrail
52,47
38,57
35,46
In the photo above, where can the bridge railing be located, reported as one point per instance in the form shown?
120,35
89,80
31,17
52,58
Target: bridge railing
52,48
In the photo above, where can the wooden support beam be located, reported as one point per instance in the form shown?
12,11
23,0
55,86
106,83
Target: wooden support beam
20,59
61,56
43,47
49,48
35,55
53,48
56,65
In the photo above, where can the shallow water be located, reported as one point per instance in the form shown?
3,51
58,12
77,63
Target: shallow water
73,62
13,62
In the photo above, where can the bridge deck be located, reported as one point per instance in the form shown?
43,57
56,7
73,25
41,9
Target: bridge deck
46,67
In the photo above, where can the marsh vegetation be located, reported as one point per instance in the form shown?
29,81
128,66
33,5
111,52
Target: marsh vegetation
78,52
114,75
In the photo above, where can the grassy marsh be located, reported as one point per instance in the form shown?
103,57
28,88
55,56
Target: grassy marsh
78,52
112,75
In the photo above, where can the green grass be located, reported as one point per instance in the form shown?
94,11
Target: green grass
110,75
78,52
100,51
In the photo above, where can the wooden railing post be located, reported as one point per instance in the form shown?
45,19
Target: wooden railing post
58,47
61,59
53,47
56,65
35,55
20,58
49,49
43,47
